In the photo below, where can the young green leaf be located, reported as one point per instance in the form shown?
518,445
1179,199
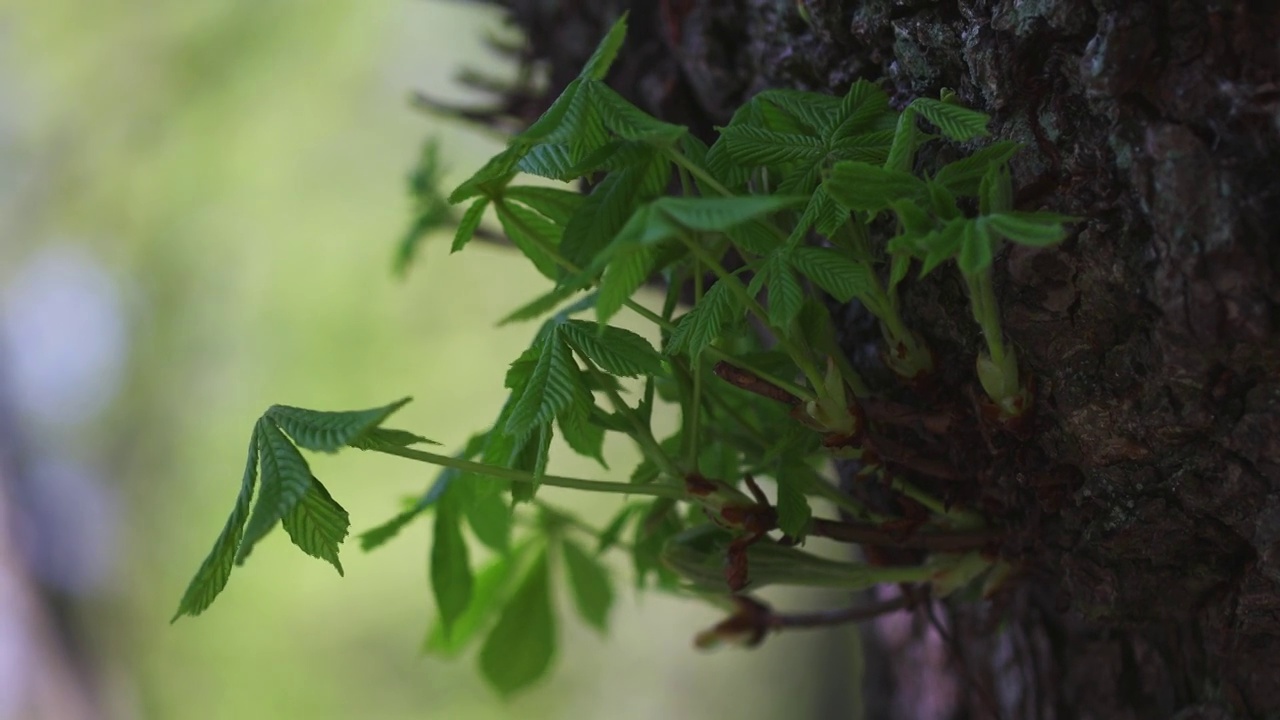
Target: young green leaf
798,111
617,351
699,327
755,146
519,648
1037,229
532,234
602,58
469,223
328,431
862,186
495,174
216,568
793,508
582,435
541,305
487,513
556,205
975,247
589,580
785,294
864,108
553,387
956,122
451,577
627,271
318,524
613,531
906,139
630,122
493,583
285,479
842,276
373,537
963,176
995,192
606,210
379,437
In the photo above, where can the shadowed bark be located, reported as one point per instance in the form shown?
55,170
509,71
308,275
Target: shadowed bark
1143,497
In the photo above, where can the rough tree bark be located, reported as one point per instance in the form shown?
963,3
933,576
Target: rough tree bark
1144,498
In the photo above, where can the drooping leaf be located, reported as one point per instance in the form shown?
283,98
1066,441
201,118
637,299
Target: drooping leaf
327,431
793,508
492,585
617,351
553,203
451,578
613,531
376,536
488,515
589,580
611,203
862,186
699,327
469,223
956,122
380,437
554,385
963,176
285,478
785,294
519,648
975,247
213,573
906,139
627,271
540,305
995,192
838,274
630,122
583,436
318,524
495,173
535,236
1037,229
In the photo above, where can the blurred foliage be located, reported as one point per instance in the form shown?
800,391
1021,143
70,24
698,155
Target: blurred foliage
208,152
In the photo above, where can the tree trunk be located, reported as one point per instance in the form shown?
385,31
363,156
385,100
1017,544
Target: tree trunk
1143,499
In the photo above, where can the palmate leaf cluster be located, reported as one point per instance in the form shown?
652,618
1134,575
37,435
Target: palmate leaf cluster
757,226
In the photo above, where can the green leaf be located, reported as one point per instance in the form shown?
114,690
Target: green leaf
906,139
862,186
583,436
318,524
841,276
492,585
451,578
785,294
755,146
630,122
793,507
329,431
956,122
609,536
556,205
216,568
627,271
488,514
495,174
862,110
804,112
373,537
711,214
975,247
532,234
553,387
699,327
589,580
541,305
607,209
469,223
598,64
871,147
519,648
285,479
995,192
617,351
378,437
963,176
1037,229
942,244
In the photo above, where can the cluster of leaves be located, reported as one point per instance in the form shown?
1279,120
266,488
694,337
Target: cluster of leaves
758,225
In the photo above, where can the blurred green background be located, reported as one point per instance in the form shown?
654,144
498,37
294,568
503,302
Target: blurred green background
199,203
